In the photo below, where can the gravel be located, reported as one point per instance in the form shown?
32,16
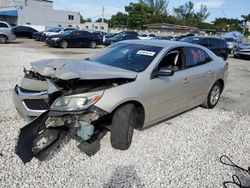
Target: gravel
181,152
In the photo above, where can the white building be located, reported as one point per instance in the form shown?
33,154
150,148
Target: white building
97,26
36,12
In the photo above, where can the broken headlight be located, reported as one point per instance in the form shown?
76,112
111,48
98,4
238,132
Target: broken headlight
76,102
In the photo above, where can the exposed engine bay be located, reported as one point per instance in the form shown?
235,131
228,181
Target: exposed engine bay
66,109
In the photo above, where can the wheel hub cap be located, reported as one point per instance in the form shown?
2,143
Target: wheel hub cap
215,95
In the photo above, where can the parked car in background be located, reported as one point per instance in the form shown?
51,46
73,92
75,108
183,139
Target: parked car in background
110,35
147,36
23,31
129,33
37,35
178,38
74,38
165,38
99,34
118,38
61,31
6,33
131,84
242,50
55,31
232,43
216,45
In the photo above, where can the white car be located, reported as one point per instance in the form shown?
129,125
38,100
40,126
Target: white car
147,36
6,33
55,31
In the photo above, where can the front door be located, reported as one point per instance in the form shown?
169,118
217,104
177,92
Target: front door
168,93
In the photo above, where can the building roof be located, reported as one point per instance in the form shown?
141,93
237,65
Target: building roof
168,26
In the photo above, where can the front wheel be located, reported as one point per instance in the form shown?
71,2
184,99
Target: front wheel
63,44
123,124
213,96
92,44
3,39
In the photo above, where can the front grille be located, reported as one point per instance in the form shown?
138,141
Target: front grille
36,104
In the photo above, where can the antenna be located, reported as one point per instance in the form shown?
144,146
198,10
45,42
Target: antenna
102,14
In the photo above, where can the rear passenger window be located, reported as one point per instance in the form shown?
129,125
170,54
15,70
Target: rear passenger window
3,25
195,57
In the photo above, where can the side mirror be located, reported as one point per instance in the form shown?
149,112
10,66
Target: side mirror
164,71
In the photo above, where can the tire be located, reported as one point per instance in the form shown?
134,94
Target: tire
213,96
92,44
123,124
3,39
63,44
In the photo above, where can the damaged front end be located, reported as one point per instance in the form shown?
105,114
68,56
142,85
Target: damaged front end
60,101
45,133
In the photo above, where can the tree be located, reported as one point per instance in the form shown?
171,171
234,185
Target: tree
188,16
202,14
104,20
225,24
185,12
139,14
119,20
160,6
246,18
82,20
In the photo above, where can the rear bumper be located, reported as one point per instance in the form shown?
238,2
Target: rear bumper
19,97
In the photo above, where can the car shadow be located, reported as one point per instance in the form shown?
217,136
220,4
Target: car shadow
15,42
166,120
124,176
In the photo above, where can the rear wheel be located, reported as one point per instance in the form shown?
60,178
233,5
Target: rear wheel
3,39
64,44
123,124
213,96
92,44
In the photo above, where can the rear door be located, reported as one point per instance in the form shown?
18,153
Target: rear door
85,38
75,38
214,46
201,75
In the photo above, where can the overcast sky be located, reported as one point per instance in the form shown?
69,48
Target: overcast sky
93,8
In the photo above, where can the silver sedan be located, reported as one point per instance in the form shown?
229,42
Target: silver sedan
131,84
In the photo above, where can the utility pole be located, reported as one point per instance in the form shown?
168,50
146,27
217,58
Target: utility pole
102,14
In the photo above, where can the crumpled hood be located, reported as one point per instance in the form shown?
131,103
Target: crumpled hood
67,69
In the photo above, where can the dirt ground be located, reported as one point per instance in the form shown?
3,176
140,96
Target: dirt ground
181,152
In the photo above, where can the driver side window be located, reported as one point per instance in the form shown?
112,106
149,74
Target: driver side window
173,60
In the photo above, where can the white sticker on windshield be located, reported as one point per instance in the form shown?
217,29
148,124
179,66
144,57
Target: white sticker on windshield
144,52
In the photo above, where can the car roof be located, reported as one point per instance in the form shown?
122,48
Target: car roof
205,37
161,43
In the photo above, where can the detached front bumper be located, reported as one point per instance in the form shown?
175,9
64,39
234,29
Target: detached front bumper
30,104
46,132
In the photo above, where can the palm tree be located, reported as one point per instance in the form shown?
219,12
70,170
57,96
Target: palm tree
246,18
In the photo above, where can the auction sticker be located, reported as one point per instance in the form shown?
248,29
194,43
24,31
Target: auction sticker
144,52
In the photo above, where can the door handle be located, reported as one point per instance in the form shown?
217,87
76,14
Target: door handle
209,73
186,80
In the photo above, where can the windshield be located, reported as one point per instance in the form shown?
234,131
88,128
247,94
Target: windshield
134,57
118,37
67,32
229,40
